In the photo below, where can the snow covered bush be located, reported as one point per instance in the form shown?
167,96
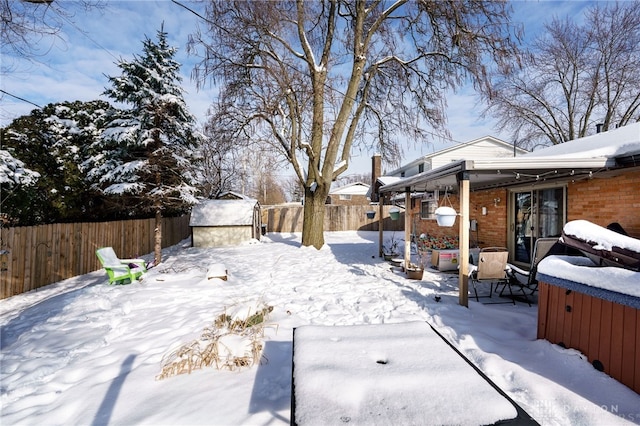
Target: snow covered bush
13,172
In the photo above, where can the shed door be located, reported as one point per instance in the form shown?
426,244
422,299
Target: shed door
537,213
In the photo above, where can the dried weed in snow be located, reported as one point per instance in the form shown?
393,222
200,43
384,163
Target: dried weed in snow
234,340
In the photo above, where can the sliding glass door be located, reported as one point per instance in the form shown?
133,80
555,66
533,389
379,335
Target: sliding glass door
534,214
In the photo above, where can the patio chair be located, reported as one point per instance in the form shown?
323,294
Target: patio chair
527,279
120,270
491,268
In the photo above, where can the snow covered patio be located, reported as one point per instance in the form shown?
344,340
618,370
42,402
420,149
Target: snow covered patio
381,374
83,352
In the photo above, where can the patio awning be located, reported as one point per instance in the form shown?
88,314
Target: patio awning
578,159
573,160
501,172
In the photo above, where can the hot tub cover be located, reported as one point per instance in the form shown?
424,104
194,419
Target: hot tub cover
601,245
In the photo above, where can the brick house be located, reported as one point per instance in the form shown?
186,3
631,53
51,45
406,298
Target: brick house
512,201
349,195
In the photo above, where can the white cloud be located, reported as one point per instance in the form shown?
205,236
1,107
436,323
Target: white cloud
76,66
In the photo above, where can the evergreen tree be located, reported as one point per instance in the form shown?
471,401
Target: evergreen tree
13,176
53,141
146,152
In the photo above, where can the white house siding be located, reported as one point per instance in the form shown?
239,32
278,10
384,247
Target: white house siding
482,149
487,147
218,236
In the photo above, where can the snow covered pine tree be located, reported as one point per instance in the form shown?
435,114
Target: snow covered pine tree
146,153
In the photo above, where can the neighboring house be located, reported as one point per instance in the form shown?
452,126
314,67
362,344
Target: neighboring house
513,201
349,195
486,147
225,222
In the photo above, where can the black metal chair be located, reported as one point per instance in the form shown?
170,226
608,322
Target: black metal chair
527,279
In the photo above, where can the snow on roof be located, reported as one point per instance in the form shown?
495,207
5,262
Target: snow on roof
613,143
223,213
231,195
484,147
386,180
357,188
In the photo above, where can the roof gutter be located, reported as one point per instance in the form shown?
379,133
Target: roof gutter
443,171
541,163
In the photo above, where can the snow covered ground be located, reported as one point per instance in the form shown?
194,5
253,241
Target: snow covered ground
81,352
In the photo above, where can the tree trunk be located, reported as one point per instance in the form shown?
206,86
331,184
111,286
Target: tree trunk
158,238
313,222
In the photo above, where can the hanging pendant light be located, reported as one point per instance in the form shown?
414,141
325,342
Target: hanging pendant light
446,215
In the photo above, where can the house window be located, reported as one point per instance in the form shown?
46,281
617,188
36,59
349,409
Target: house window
345,197
421,168
428,209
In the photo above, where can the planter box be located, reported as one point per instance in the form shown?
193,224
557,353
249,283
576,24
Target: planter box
415,274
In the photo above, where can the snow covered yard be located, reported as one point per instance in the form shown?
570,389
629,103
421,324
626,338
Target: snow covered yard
83,352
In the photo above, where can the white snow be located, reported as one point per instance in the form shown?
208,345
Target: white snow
582,270
388,374
83,352
613,143
605,239
13,172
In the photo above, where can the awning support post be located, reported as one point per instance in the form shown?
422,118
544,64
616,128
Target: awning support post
407,228
381,199
463,273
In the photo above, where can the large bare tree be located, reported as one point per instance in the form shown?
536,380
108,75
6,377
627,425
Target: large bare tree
573,78
30,27
315,78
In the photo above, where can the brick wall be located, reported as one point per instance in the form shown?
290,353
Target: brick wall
599,200
492,228
606,200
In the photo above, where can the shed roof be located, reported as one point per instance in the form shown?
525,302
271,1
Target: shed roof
223,213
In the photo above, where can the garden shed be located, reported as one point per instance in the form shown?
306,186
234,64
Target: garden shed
225,222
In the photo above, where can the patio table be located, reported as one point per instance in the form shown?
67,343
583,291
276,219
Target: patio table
404,373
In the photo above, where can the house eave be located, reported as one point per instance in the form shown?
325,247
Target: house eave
497,173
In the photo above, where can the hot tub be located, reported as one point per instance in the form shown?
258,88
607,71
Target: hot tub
595,310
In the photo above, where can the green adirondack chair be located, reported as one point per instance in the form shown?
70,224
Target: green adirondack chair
120,270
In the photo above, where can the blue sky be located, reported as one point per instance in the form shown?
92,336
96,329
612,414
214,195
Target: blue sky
73,66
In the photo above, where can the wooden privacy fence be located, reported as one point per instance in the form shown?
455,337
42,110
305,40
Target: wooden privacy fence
288,218
34,256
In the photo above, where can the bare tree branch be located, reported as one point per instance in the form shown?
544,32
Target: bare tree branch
574,77
318,78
